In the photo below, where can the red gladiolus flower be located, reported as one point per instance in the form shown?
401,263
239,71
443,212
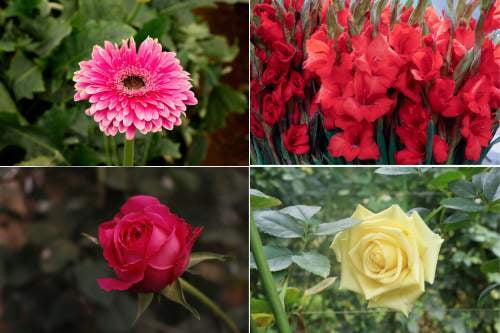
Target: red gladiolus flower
442,100
439,149
270,31
355,141
476,129
296,84
428,64
475,94
273,108
296,139
321,55
146,245
256,127
405,39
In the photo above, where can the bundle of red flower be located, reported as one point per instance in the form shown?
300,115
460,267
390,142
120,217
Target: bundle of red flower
378,82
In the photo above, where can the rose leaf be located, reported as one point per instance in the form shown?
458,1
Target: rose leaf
259,200
335,227
278,224
197,257
278,258
174,293
90,238
319,287
301,212
143,302
313,262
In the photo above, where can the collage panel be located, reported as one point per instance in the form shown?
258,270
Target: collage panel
123,250
132,82
374,82
386,249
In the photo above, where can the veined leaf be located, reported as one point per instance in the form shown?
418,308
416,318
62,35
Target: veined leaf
301,212
332,228
259,200
462,204
313,262
278,224
278,258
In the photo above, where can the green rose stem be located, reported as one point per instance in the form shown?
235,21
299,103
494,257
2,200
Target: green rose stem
195,292
128,153
267,279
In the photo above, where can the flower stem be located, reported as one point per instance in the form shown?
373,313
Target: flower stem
433,213
128,153
267,279
106,149
193,291
114,152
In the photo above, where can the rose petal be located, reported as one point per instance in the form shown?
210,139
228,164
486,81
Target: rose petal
138,203
109,284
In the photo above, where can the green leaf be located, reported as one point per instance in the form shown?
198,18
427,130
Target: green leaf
263,320
396,171
462,204
154,28
429,142
313,262
320,286
54,31
491,266
292,296
463,189
456,220
278,258
91,238
259,306
259,200
38,161
101,10
217,47
485,292
301,212
441,182
277,224
197,151
491,184
382,146
8,105
222,101
332,228
25,77
177,6
143,302
197,257
78,45
174,293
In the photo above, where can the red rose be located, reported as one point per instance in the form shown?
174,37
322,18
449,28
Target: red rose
296,139
427,64
146,245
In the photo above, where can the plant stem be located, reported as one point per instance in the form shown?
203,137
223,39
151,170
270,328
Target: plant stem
134,13
114,152
267,279
433,213
193,291
106,149
128,153
144,159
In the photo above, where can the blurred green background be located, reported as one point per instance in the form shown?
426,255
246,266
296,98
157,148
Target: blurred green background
42,42
48,270
471,231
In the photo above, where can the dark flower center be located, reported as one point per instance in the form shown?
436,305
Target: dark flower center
133,82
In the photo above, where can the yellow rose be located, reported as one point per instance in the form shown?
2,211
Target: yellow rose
387,257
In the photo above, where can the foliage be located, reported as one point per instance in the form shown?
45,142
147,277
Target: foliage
462,205
48,270
41,43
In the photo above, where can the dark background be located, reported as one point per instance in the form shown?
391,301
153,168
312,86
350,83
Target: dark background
48,270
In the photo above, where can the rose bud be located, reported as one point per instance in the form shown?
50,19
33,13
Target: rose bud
146,245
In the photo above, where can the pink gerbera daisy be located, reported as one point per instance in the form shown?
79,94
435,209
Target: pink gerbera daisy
128,90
